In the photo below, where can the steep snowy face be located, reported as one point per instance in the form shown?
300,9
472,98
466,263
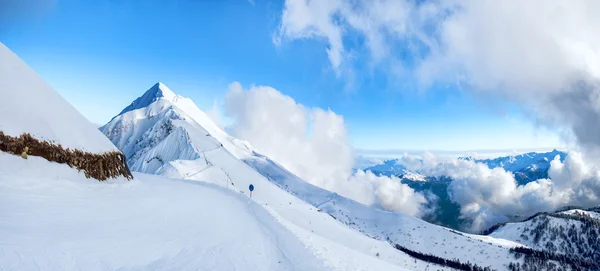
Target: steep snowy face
30,105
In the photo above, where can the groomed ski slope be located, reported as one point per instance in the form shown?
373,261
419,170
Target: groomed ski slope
53,218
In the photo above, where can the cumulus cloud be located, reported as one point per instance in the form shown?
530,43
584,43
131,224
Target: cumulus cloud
313,144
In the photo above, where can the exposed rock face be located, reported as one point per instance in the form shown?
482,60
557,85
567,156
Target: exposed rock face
98,166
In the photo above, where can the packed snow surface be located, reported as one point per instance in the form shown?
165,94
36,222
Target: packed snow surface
30,105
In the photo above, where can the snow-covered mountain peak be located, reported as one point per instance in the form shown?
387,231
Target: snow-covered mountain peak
161,90
156,92
161,126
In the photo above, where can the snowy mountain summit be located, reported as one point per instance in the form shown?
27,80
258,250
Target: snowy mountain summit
156,92
160,127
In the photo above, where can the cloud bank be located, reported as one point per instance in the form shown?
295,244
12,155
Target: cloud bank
489,196
313,144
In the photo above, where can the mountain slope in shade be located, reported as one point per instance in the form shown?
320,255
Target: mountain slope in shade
150,134
30,105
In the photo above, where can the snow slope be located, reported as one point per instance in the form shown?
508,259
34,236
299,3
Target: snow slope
53,218
338,223
29,104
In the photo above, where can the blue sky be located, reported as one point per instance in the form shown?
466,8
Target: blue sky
101,55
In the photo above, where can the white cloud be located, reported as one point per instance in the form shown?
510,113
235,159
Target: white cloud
313,144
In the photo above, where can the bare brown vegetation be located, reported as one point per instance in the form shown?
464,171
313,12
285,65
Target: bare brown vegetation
98,166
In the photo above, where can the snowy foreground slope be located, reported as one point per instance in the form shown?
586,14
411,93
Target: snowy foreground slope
53,218
160,137
29,105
